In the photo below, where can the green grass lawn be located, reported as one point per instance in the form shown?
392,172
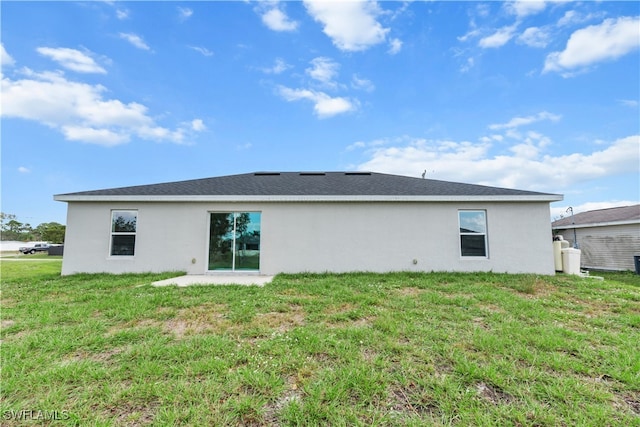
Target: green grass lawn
353,349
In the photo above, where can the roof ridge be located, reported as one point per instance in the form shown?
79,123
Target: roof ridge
358,184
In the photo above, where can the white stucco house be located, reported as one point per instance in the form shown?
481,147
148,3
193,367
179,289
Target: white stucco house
607,238
273,222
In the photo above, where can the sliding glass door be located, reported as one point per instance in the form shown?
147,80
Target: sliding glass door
234,241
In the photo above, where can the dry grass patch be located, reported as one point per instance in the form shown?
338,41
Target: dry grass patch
292,394
413,400
214,318
100,357
17,336
596,308
492,308
280,321
132,414
493,394
629,403
541,288
198,319
409,291
8,302
131,325
480,323
347,314
187,321
6,323
633,402
340,309
368,354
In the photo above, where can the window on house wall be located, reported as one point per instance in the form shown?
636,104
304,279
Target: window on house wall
473,233
123,232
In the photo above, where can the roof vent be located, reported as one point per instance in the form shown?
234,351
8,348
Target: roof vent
266,174
357,173
312,174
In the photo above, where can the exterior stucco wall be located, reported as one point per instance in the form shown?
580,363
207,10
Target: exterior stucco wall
168,237
317,237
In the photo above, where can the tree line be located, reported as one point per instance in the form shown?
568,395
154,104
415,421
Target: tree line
12,229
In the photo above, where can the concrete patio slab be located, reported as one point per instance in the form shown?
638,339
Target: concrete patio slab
215,279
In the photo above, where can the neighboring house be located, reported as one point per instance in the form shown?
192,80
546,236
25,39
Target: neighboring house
608,238
272,222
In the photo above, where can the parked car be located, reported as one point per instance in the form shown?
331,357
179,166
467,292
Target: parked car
38,247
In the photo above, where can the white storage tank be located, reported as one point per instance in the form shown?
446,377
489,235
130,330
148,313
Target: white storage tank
558,245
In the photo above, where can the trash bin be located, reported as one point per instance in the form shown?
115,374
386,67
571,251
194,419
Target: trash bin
636,262
571,261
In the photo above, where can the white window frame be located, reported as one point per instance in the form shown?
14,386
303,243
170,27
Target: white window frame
485,235
113,233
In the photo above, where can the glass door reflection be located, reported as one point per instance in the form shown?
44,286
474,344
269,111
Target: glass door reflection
234,241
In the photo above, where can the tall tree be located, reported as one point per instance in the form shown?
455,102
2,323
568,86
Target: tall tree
51,232
12,229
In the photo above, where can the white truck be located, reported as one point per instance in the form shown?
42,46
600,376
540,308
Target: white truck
38,247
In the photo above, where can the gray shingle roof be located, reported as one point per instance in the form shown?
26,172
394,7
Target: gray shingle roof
308,184
619,214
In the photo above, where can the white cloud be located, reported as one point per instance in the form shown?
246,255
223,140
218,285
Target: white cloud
633,103
572,17
135,40
357,144
323,70
523,121
122,14
568,18
276,20
351,25
243,147
475,32
395,46
159,133
490,138
609,40
79,111
522,8
198,125
468,65
362,84
23,169
5,59
72,59
184,13
203,50
525,169
105,137
483,10
535,37
278,67
324,105
499,38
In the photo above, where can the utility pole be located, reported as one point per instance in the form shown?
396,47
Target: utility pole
575,237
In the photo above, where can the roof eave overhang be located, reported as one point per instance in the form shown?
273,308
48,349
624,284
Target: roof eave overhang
595,224
285,198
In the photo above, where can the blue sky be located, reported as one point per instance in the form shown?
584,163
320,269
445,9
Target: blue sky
537,95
